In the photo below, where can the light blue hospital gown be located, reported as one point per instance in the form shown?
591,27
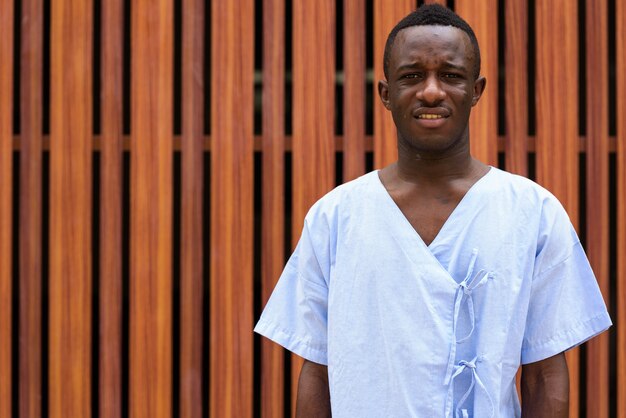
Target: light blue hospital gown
409,330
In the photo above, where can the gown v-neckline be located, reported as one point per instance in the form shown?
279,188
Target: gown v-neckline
449,220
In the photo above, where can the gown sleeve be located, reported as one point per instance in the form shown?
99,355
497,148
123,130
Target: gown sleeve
566,307
296,314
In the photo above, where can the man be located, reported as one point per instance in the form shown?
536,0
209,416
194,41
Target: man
419,289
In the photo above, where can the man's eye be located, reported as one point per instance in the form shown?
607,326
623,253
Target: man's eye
451,75
412,75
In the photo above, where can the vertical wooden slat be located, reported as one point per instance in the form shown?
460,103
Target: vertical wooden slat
516,87
557,121
151,209
232,197
313,114
597,198
31,56
354,89
620,321
191,286
442,2
386,15
70,209
6,204
110,326
484,118
273,200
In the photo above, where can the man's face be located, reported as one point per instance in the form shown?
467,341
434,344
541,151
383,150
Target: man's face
431,87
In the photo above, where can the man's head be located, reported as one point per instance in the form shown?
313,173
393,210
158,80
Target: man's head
432,81
433,15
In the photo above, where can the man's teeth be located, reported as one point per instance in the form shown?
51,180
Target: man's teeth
429,116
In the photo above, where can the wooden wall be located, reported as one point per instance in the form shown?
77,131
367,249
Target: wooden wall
156,163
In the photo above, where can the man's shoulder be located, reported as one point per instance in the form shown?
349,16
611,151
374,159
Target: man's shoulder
346,195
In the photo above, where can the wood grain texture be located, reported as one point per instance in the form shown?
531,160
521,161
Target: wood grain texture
110,315
232,195
442,2
557,122
354,89
70,209
29,229
191,285
273,196
516,86
597,195
484,116
151,210
6,205
620,321
386,15
313,115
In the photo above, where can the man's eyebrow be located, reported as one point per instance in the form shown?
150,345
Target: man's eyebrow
414,65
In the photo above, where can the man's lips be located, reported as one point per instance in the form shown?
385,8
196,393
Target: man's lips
431,113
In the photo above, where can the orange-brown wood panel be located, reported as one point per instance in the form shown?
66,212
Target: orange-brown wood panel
621,207
110,315
31,53
6,204
386,15
484,118
232,195
442,2
354,89
516,86
597,198
313,114
70,209
557,121
273,196
151,210
191,286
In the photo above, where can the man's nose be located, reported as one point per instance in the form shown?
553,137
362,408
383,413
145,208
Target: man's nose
432,91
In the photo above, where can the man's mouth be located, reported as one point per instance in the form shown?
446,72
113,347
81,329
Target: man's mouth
430,116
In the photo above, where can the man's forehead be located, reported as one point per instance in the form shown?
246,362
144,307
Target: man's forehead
432,41
423,35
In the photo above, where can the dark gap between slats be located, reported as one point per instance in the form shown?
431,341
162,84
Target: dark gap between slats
502,129
258,68
532,166
338,168
612,71
206,285
613,300
369,68
288,67
582,232
176,274
258,285
95,301
177,70
501,161
45,97
582,69
207,69
125,283
288,229
451,4
15,289
126,111
369,161
97,66
531,65
340,74
17,42
45,286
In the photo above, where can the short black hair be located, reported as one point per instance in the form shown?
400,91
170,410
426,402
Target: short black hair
436,15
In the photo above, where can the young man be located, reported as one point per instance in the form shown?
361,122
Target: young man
419,289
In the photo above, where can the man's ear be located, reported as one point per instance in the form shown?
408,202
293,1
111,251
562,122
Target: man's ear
383,92
479,87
